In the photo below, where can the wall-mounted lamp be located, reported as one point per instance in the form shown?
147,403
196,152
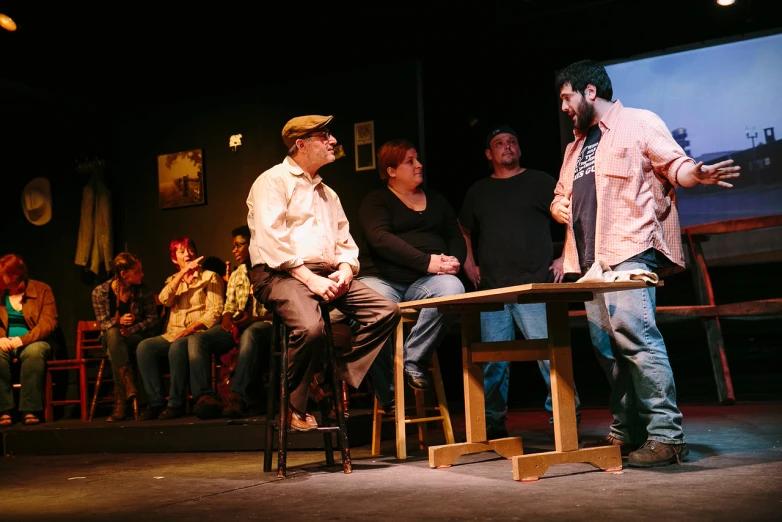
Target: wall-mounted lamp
6,22
725,3
234,141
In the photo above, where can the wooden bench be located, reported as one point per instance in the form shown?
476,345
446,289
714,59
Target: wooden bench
706,309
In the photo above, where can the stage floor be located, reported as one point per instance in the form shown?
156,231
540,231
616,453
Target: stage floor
734,472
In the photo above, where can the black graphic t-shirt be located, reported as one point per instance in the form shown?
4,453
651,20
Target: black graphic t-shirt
584,199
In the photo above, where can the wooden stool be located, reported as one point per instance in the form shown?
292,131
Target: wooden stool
279,352
410,316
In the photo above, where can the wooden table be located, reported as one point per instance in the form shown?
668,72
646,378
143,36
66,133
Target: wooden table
556,348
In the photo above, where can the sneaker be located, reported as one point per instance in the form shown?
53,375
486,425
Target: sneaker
235,407
655,453
208,407
610,440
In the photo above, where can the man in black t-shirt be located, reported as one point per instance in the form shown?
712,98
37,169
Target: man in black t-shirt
510,209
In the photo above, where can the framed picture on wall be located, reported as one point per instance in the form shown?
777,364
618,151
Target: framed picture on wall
365,145
181,179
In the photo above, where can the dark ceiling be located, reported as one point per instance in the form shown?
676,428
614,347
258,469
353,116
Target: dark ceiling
124,50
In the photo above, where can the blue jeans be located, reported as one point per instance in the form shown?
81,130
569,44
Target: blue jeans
147,355
632,353
33,359
498,326
255,339
425,336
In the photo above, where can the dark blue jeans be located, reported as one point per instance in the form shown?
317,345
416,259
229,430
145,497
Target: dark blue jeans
148,353
33,360
254,341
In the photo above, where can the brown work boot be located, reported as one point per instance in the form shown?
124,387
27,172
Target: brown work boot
301,421
120,406
610,440
208,407
655,453
128,381
235,407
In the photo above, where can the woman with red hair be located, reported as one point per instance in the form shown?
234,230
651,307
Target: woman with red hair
28,318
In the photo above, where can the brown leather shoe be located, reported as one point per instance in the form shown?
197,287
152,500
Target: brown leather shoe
150,413
235,407
170,413
655,453
208,407
610,440
301,421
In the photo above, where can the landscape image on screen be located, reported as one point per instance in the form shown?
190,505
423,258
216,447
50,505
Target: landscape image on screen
719,102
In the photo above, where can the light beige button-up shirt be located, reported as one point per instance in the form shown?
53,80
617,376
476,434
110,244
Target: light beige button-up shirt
295,218
636,164
200,300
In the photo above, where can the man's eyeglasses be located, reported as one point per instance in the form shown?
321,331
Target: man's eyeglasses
325,134
240,244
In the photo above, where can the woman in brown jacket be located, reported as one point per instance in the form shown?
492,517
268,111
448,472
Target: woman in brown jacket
28,318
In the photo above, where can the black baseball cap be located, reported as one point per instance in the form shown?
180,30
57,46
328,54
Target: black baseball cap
501,129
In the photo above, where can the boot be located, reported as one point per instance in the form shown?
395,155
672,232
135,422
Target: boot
128,381
120,405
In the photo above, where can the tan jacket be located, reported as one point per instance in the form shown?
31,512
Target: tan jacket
39,309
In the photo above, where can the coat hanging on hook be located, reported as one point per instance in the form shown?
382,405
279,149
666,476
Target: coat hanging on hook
95,243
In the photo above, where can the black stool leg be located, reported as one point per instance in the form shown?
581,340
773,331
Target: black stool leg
282,431
336,388
271,395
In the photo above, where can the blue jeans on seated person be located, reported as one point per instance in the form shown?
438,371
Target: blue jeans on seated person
425,336
253,340
632,353
32,359
498,326
148,353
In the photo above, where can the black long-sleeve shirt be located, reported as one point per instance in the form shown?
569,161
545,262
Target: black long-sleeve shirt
399,241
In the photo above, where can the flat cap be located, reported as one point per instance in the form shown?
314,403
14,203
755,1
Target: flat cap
302,126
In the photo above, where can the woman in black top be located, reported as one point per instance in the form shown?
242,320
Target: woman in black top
414,250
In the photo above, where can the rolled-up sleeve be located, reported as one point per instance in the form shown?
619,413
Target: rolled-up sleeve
666,156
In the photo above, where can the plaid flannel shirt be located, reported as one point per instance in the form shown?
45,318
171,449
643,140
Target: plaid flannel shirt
143,306
238,291
636,165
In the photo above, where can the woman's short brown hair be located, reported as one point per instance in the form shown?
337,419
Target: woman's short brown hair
391,154
13,270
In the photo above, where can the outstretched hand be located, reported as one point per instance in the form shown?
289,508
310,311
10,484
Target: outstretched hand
716,174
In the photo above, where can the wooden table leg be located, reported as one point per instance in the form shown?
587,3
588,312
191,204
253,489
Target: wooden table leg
474,409
531,467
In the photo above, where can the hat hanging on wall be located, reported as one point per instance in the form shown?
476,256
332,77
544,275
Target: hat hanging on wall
37,201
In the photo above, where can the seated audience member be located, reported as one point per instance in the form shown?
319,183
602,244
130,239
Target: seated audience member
28,319
414,251
127,314
194,297
303,257
245,323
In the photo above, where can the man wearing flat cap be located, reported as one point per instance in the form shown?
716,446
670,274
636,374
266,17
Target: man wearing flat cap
508,210
303,257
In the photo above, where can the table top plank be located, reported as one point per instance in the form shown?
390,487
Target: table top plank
510,294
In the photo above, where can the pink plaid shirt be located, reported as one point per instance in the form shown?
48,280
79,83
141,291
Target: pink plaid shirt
636,164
